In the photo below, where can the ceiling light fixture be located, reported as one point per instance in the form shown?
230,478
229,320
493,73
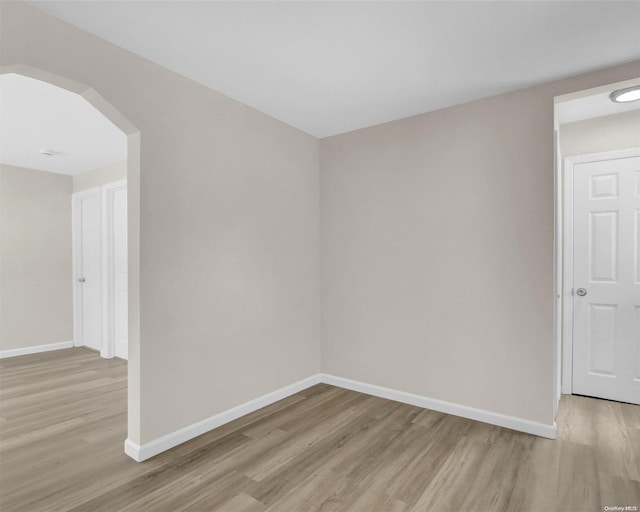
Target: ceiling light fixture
626,95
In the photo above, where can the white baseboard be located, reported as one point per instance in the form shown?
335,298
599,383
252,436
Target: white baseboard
147,450
35,349
493,418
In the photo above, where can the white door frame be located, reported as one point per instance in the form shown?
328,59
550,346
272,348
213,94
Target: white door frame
557,274
567,264
76,241
108,277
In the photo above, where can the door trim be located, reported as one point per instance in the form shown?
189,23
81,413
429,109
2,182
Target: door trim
569,164
108,277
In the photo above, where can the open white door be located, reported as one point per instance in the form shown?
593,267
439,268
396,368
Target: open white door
606,277
87,268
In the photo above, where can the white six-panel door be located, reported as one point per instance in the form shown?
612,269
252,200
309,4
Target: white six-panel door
606,279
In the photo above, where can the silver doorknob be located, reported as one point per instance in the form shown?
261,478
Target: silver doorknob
581,292
81,280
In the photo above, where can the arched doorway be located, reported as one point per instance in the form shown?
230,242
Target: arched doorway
133,223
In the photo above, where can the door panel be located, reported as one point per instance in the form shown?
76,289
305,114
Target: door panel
606,332
604,186
603,249
601,338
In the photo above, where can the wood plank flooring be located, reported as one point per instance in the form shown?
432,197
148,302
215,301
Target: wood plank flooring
63,423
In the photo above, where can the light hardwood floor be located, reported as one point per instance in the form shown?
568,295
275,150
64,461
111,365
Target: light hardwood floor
63,423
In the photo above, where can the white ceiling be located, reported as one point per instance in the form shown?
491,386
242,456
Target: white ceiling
331,67
35,115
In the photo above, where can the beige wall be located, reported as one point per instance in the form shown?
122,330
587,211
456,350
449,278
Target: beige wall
618,131
100,176
229,197
35,258
437,251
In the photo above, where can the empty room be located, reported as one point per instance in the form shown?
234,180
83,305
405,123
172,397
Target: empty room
294,256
